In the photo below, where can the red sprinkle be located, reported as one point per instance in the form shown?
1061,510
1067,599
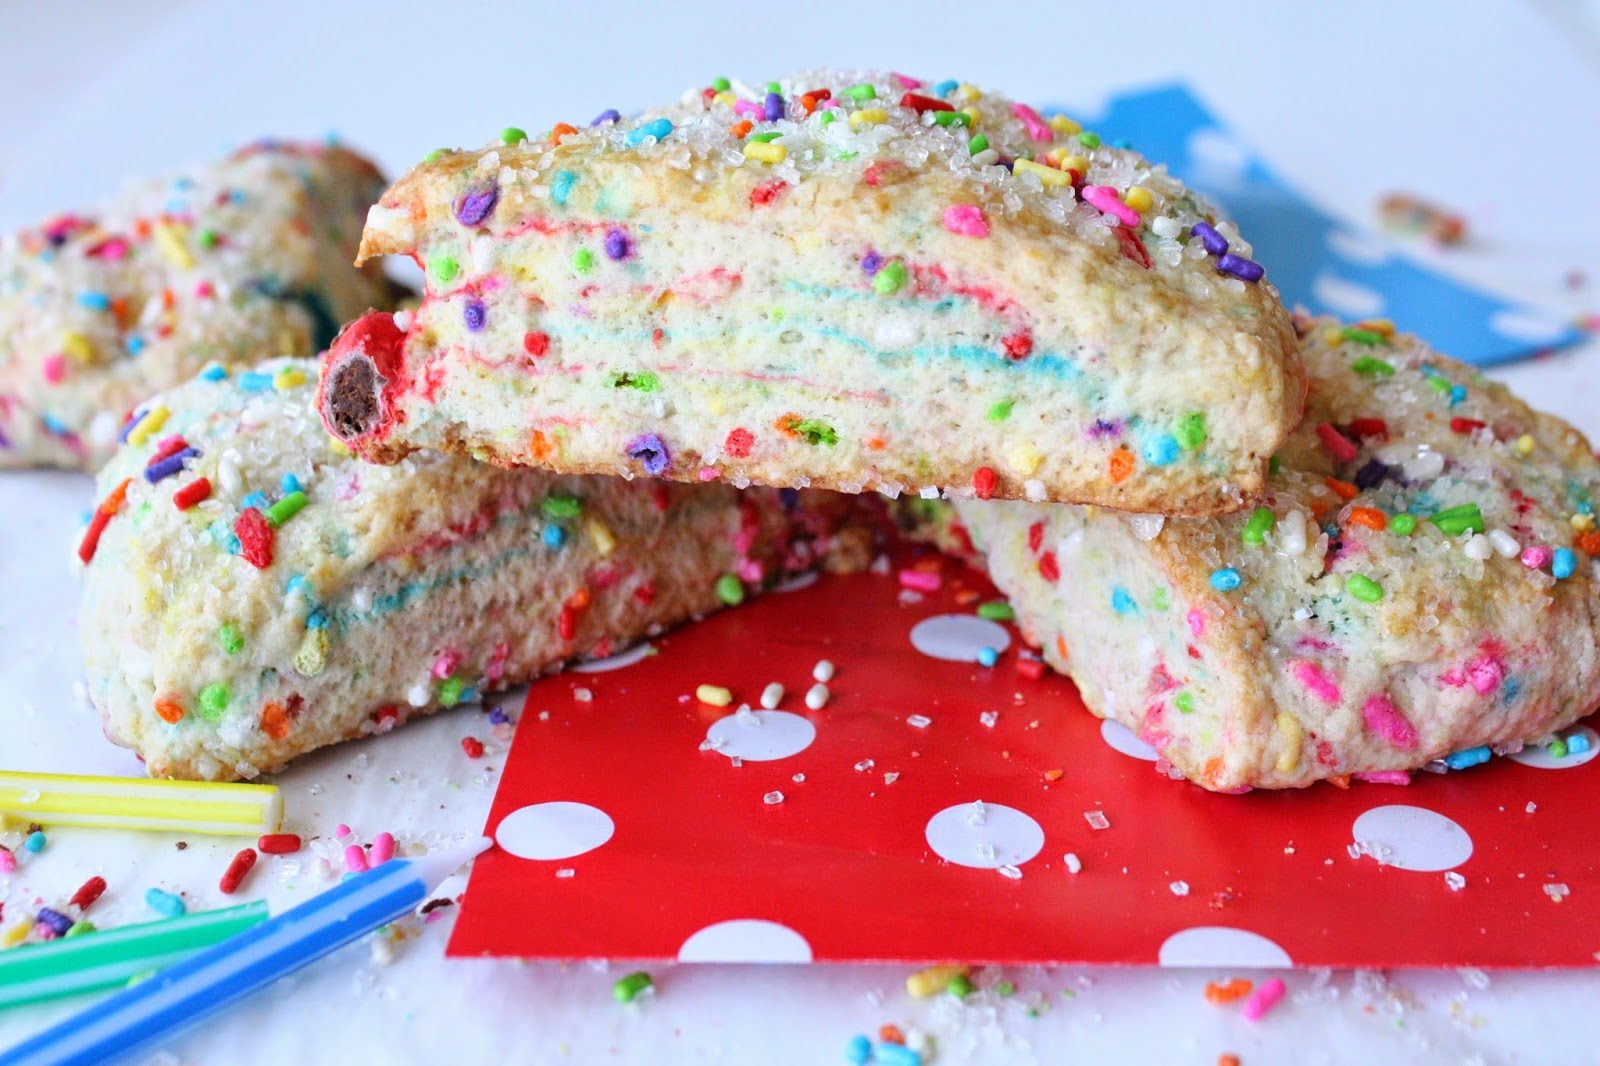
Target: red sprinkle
1032,669
473,747
236,872
984,482
192,493
739,442
88,892
567,622
1035,536
255,538
918,102
1337,443
279,843
1048,569
102,515
767,192
1370,427
1019,345
168,447
1132,247
1466,425
536,344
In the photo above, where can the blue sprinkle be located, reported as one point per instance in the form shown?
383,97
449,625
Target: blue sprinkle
122,438
214,372
772,107
55,425
254,381
988,656
94,301
1160,451
170,465
1226,579
554,536
291,484
258,500
945,88
1121,602
55,921
1511,687
497,716
1563,563
317,619
1457,394
1577,743
34,842
297,583
134,344
650,450
896,1055
858,1051
610,114
165,903
1460,760
657,129
561,186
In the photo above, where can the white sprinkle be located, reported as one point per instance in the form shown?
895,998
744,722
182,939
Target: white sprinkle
566,871
919,721
891,777
823,671
817,697
798,779
987,719
772,798
1504,543
1179,888
1291,533
863,766
771,696
1455,881
583,695
1008,870
1557,891
1033,489
1477,547
1074,864
402,321
1531,807
417,695
1097,819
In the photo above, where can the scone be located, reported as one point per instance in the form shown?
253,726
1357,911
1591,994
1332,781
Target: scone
238,261
253,592
1420,582
842,280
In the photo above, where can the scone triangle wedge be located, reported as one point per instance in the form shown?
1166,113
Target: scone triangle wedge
840,280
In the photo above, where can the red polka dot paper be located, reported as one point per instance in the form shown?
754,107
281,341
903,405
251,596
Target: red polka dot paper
934,809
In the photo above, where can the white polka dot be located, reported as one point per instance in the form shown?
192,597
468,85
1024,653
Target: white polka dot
1218,153
559,830
796,583
1412,838
1360,248
958,638
985,836
761,736
745,940
1122,739
1221,946
1530,327
1537,756
617,661
1346,297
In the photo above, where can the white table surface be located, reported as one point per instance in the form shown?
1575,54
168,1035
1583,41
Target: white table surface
1490,109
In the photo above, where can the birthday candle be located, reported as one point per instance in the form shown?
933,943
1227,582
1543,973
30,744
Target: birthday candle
141,803
132,1020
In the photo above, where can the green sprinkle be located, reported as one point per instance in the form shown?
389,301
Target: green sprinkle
826,117
765,137
1557,748
996,611
644,380
774,87
435,154
1258,525
286,508
1403,525
1158,599
1005,988
79,927
1001,411
1369,337
1184,702
444,267
207,238
951,118
1364,588
890,277
214,699
722,85
1371,367
1273,464
861,92
1089,140
1190,432
1438,384
629,987
583,260
449,691
978,144
513,134
730,590
1454,521
845,154
230,638
816,432
561,507
960,986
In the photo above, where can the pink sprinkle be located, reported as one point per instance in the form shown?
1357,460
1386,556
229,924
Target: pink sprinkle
55,368
446,663
1197,622
1484,673
382,849
1385,719
1263,999
709,473
1537,557
355,859
497,661
1106,199
1337,443
751,572
341,831
749,107
1385,777
1038,128
966,219
921,580
906,81
8,861
205,290
112,248
1315,681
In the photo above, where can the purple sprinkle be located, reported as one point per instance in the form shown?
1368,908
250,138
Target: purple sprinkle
774,107
1215,243
5,441
871,262
475,205
55,920
497,717
1102,428
650,450
1240,267
1371,474
610,114
475,315
168,466
122,438
617,244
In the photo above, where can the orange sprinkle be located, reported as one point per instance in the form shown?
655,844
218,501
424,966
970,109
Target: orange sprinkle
1342,489
891,1034
1370,517
741,128
170,710
876,444
1227,991
1121,465
1589,542
1061,647
1339,780
561,131
539,445
1227,1058
580,599
275,721
1054,775
786,423
115,497
1211,772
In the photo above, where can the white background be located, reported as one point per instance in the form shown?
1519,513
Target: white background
1492,109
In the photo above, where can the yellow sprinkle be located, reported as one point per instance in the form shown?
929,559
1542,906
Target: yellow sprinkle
1080,163
1378,325
1525,444
604,542
16,934
1582,522
873,115
1056,154
1063,124
1048,176
968,93
338,447
77,345
716,403
289,377
148,425
173,241
1139,199
766,151
1332,336
972,115
713,695
726,99
1293,735
933,980
1024,459
312,657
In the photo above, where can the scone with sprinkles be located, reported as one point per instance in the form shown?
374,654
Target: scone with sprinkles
1419,583
253,592
839,280
237,261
